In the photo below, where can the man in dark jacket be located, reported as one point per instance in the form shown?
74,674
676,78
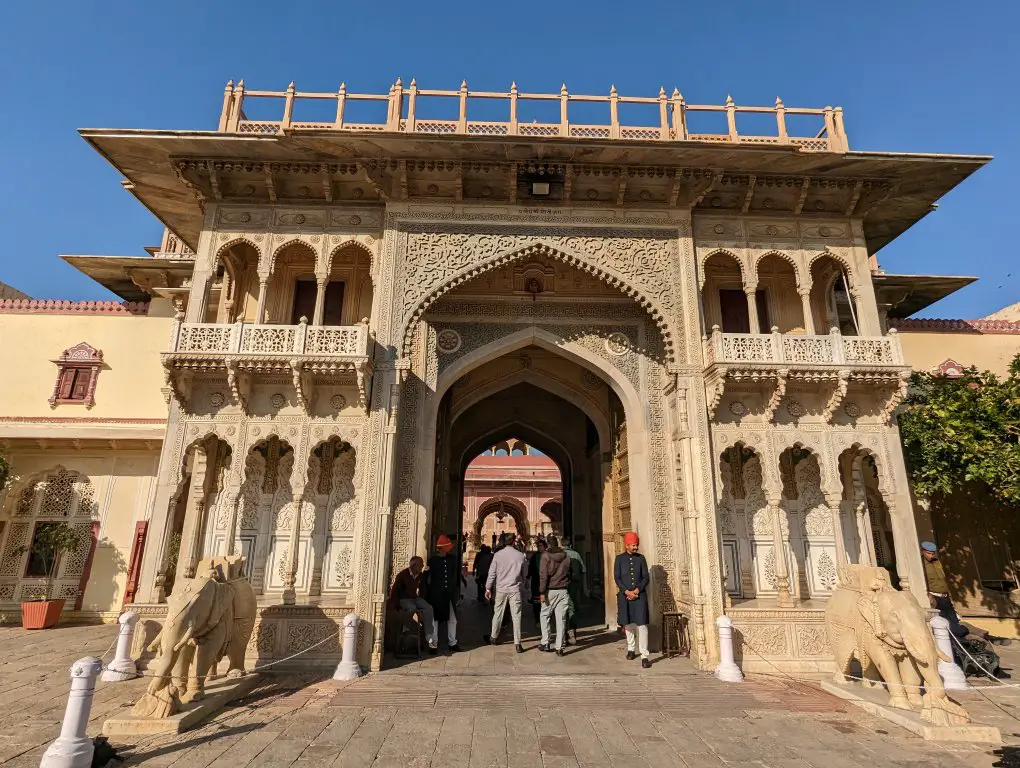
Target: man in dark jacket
533,566
406,595
483,561
553,581
442,588
630,571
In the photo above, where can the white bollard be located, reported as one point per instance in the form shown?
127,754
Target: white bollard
727,671
348,668
952,676
123,667
73,749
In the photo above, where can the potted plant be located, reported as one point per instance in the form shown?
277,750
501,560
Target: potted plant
50,541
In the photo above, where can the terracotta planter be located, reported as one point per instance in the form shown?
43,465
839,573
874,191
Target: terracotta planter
41,614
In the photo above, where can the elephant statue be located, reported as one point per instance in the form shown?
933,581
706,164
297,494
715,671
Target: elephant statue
208,617
887,631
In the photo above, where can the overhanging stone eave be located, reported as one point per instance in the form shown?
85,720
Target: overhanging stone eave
145,158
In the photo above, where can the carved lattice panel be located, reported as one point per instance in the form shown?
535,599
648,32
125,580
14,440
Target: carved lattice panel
11,564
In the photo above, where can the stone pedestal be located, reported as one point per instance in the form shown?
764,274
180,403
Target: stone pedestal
218,694
727,671
348,668
873,700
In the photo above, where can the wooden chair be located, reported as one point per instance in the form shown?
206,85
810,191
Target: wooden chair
676,640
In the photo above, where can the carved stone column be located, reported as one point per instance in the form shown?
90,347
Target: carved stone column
784,599
833,501
320,301
805,301
232,498
867,553
320,534
751,291
904,552
293,543
194,514
260,312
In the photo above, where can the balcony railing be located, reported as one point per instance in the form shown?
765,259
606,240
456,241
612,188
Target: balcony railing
666,118
799,349
350,341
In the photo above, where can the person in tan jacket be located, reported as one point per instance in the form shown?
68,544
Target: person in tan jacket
553,580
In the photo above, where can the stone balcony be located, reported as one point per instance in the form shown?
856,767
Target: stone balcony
243,350
831,363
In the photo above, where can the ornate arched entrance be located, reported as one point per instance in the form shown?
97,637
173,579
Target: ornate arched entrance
502,506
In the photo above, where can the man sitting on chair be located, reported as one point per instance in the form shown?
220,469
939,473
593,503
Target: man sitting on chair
406,593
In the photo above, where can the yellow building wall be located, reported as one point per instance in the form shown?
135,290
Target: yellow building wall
122,481
925,351
129,382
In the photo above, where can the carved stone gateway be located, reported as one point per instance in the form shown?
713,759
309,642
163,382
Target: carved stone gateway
695,331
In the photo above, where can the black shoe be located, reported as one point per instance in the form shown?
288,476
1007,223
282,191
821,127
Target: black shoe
631,655
646,664
560,652
454,648
1002,674
520,648
433,650
544,648
487,640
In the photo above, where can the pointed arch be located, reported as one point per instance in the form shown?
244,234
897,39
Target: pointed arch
533,250
839,259
294,241
725,252
222,250
353,244
782,256
510,504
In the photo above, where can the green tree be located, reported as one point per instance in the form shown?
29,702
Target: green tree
964,430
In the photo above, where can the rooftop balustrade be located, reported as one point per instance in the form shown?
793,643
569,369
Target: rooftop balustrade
403,105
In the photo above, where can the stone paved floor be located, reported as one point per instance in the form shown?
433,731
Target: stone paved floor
491,707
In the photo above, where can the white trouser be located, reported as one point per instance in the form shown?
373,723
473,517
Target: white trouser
513,597
424,611
451,628
556,601
642,638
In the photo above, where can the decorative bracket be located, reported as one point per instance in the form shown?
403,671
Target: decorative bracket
838,393
303,384
240,384
897,396
179,383
716,387
778,392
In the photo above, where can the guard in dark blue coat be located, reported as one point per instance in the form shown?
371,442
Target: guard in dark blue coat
442,590
630,572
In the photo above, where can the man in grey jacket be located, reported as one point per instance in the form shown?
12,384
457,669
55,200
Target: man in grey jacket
507,573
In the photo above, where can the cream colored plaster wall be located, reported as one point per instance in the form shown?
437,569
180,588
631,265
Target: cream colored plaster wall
122,482
925,351
129,382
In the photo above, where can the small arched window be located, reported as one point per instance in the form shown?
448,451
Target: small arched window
77,371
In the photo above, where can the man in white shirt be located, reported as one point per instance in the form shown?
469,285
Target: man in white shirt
507,573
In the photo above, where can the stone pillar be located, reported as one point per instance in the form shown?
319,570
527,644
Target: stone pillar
232,500
952,676
867,553
122,667
293,544
191,539
784,599
320,301
805,302
834,501
727,671
260,312
609,534
752,308
73,749
348,668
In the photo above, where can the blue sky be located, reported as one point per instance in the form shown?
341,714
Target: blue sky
911,76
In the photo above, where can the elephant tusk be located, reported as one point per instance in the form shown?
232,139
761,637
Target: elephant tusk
184,640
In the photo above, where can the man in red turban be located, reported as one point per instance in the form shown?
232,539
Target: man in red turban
630,572
442,590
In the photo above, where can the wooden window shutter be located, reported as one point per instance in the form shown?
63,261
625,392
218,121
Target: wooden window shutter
66,384
82,377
